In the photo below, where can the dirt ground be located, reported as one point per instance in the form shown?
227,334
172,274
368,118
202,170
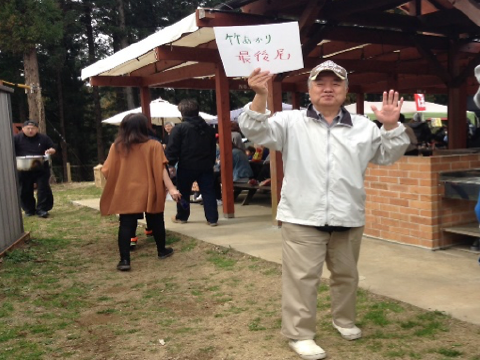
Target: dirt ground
205,302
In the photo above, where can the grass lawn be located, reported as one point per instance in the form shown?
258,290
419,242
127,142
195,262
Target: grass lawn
61,297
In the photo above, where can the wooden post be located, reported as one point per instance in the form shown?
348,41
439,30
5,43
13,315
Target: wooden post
457,104
457,117
274,103
360,103
145,100
295,100
222,94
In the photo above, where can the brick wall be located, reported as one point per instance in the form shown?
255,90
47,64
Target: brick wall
405,202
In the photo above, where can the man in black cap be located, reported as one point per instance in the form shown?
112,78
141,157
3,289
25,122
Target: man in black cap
27,143
326,151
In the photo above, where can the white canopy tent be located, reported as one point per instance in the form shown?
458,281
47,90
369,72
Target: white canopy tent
161,112
409,109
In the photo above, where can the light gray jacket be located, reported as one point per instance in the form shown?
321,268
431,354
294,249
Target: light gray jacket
324,167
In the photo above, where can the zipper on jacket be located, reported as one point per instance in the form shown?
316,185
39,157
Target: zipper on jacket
327,183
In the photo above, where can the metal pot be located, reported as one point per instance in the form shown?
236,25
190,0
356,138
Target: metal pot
31,162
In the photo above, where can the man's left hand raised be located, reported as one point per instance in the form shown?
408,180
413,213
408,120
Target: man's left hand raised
389,114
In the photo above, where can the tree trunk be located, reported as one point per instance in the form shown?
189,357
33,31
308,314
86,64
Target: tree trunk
34,97
96,94
61,116
128,91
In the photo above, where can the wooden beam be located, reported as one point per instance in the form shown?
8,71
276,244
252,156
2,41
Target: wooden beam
116,81
375,66
209,84
181,73
342,8
385,20
195,84
184,53
308,17
469,47
427,53
211,18
225,140
386,37
467,71
311,43
155,67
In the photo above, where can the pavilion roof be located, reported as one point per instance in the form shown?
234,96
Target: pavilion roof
380,43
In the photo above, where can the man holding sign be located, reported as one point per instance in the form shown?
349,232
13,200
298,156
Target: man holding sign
326,151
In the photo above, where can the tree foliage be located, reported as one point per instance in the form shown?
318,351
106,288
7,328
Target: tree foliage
58,29
27,23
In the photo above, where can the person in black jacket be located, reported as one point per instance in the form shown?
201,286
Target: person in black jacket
192,146
421,129
31,142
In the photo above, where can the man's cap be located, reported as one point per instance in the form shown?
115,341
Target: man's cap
328,66
30,122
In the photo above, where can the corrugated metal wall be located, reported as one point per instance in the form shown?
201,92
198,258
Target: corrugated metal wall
11,222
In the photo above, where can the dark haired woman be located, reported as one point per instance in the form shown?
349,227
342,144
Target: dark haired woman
136,179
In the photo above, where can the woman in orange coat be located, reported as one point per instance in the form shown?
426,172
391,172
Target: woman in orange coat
136,180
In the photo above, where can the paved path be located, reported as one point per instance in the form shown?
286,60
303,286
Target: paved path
444,280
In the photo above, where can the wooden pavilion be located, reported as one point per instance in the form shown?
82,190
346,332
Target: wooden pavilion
414,47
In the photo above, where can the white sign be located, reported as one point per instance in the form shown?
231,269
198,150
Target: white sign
274,47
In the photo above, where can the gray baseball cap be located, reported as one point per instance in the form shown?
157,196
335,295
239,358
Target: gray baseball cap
328,66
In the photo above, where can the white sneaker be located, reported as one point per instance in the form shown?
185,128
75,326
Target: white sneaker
307,349
349,333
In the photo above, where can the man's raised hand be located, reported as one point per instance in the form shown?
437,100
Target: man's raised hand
257,81
389,114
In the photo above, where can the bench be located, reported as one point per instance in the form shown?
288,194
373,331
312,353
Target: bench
463,185
252,190
470,229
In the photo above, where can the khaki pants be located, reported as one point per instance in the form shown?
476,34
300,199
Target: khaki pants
305,249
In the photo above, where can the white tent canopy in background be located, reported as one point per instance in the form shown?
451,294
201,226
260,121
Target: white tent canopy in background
161,111
235,114
409,109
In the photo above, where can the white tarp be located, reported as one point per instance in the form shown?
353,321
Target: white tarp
409,108
142,52
161,112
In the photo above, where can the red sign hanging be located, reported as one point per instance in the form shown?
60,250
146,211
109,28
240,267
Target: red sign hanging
420,102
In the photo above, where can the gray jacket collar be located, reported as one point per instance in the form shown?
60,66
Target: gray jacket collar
346,119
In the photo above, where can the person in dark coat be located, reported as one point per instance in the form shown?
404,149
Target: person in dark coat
30,142
192,146
421,129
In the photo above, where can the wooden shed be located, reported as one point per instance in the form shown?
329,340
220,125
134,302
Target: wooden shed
11,221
